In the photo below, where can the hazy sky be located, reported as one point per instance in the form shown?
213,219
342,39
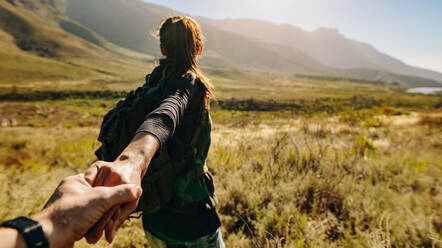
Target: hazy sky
410,30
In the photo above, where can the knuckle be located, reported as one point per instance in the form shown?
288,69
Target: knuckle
69,178
96,164
99,164
129,192
106,197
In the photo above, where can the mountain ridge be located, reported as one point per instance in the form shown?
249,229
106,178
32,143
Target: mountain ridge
79,32
313,43
225,49
221,49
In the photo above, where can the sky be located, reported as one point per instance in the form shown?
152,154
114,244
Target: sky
409,30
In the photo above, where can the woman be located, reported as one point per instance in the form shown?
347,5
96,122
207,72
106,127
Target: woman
166,154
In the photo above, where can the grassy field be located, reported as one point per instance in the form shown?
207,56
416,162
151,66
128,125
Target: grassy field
298,162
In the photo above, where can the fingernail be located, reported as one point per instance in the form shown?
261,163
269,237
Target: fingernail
112,234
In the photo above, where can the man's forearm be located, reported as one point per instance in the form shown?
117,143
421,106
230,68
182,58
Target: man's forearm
140,151
72,210
11,238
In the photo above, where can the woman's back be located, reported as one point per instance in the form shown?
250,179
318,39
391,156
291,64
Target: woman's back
169,148
178,112
175,123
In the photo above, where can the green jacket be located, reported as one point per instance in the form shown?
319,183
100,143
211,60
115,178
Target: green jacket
182,185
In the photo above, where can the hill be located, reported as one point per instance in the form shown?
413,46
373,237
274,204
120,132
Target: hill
325,45
129,24
246,46
36,45
108,40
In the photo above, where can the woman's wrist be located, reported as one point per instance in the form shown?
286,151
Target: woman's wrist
140,152
134,161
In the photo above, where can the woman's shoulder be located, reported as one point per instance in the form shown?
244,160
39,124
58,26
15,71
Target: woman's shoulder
184,81
187,84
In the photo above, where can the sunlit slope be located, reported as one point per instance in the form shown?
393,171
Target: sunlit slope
129,24
35,48
248,44
23,64
327,46
65,40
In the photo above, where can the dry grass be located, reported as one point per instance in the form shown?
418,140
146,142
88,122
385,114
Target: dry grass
298,188
303,182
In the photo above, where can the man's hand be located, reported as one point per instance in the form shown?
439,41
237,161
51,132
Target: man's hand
76,206
110,174
129,167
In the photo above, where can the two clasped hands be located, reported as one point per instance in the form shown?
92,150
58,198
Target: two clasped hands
96,202
113,174
85,205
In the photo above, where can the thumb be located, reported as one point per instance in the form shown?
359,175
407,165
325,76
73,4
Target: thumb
120,194
91,174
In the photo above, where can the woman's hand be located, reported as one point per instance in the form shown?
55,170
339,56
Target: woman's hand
76,206
103,173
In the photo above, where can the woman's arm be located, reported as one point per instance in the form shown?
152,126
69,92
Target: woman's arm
131,165
140,151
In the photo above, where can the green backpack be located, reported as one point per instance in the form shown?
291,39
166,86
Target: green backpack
183,185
